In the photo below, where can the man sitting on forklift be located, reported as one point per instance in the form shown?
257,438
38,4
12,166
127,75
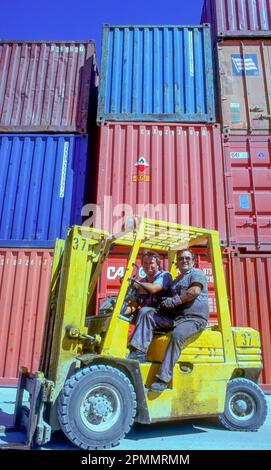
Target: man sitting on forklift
151,290
157,282
185,312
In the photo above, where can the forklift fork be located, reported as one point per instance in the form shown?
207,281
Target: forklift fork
29,419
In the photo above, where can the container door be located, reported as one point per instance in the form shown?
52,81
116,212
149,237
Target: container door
250,296
248,176
245,86
25,280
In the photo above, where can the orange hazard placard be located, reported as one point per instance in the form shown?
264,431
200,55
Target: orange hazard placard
141,178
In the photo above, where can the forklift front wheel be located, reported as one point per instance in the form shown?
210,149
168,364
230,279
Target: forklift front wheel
245,406
97,407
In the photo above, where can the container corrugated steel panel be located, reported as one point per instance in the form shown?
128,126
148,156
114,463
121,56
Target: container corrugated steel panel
168,171
24,287
248,191
47,85
156,73
42,182
251,301
245,86
230,18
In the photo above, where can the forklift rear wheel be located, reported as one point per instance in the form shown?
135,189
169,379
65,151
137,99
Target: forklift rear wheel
245,406
97,407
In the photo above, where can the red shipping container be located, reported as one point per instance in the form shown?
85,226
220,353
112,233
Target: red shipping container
248,191
165,171
250,287
248,278
231,18
47,85
24,288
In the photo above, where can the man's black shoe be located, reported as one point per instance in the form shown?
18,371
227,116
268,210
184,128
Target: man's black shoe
137,355
159,386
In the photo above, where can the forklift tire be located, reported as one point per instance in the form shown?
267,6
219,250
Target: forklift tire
245,406
97,407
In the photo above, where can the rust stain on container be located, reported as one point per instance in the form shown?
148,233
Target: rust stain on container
47,86
24,287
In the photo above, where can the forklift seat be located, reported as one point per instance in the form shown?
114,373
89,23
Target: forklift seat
203,345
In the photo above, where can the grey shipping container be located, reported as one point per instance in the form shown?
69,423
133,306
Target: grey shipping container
156,73
42,186
47,86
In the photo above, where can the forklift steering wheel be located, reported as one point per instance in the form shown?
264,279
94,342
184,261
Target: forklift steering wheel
138,283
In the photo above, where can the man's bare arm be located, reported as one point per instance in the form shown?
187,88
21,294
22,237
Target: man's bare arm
149,287
192,292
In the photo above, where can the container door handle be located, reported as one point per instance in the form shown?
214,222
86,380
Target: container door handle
248,223
264,116
256,109
268,224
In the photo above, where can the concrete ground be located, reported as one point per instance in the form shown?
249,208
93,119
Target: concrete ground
196,434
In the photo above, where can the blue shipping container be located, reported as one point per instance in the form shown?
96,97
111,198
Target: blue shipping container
42,185
156,73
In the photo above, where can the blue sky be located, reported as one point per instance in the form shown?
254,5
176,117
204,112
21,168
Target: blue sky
83,19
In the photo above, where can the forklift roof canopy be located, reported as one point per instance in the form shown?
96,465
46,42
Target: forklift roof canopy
161,235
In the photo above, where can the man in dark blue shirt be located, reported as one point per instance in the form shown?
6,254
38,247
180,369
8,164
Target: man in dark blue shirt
151,290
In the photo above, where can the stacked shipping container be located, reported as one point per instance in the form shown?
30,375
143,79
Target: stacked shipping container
156,73
242,51
47,102
243,56
47,86
163,170
237,18
162,75
42,187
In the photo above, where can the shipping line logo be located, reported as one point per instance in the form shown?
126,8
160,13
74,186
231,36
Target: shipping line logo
246,64
141,166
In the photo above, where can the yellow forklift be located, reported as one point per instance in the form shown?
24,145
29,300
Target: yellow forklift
87,387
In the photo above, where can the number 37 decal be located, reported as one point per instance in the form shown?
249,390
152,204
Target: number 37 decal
247,339
79,243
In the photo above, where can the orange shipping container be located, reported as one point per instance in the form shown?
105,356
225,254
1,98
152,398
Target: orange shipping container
244,75
24,287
